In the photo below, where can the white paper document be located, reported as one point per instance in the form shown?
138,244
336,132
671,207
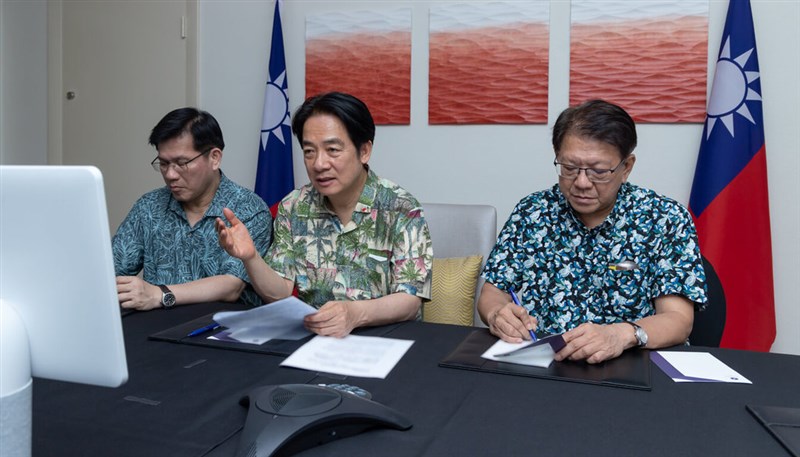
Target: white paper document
364,356
695,367
535,354
282,319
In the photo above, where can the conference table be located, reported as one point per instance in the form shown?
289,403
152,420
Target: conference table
184,400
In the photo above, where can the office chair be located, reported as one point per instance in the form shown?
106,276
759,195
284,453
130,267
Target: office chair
462,236
710,322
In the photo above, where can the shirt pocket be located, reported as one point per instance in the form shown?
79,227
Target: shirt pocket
370,278
627,296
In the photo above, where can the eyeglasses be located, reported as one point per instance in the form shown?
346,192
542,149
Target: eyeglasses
596,175
181,165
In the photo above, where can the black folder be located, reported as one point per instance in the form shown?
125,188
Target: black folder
178,334
630,370
783,423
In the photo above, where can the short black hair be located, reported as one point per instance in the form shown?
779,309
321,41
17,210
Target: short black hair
597,120
204,128
353,113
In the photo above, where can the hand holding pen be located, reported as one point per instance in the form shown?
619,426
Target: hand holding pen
518,303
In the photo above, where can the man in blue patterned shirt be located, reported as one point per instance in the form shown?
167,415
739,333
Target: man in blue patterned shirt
169,233
611,264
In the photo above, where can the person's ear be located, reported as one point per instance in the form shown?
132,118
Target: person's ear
365,152
216,157
628,167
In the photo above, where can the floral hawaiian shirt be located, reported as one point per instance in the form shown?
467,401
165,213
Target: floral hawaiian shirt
385,248
567,274
156,238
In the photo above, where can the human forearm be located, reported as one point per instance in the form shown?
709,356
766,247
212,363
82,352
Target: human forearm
338,318
226,288
671,324
396,307
268,284
490,301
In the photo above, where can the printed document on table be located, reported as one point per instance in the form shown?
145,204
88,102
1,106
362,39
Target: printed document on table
353,355
695,367
282,319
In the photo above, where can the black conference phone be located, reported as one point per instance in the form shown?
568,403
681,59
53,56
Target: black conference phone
289,418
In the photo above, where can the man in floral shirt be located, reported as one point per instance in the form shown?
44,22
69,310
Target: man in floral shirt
355,245
611,264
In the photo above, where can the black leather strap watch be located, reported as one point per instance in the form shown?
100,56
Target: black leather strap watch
640,334
167,297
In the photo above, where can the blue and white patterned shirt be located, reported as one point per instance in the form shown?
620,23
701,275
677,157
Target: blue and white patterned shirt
560,268
156,238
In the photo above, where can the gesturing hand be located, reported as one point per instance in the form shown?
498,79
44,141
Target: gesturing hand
235,240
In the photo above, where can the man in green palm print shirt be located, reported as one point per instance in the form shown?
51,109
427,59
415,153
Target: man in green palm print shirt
355,246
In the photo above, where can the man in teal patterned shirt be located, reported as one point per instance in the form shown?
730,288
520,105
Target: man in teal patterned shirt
612,264
169,234
355,246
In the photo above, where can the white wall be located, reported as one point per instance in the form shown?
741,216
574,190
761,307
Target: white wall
23,82
499,164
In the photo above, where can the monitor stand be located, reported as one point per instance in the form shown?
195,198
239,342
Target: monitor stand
16,385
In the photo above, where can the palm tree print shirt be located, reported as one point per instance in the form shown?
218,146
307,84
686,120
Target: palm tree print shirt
386,247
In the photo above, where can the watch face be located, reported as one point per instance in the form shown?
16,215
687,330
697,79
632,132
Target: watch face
168,299
641,336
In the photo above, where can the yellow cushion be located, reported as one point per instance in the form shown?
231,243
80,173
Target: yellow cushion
453,291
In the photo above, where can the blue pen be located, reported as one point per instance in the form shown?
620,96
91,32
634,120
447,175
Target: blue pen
517,302
205,329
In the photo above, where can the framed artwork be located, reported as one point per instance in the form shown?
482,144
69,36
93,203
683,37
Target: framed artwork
488,63
366,54
649,57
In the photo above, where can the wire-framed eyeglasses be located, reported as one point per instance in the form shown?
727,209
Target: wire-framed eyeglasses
180,165
596,175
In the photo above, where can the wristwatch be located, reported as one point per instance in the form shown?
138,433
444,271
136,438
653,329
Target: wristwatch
167,297
640,334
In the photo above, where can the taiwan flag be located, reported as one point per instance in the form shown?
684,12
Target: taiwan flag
275,174
729,199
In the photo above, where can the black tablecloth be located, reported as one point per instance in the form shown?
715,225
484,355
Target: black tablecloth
183,400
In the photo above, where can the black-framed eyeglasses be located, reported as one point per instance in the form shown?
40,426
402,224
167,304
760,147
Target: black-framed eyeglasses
597,175
163,166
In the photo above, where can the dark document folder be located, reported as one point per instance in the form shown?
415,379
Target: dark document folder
179,334
783,423
630,370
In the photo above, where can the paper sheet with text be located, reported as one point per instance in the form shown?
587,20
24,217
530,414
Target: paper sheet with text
353,355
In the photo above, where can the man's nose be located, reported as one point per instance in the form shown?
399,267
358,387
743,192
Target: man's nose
582,179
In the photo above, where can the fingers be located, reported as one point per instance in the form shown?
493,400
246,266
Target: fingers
230,216
331,320
593,343
511,323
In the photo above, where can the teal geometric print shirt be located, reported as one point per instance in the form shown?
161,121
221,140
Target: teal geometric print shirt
560,268
156,238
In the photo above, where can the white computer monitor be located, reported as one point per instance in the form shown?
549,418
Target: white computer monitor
57,282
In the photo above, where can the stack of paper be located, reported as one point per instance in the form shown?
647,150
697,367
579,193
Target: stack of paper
282,319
